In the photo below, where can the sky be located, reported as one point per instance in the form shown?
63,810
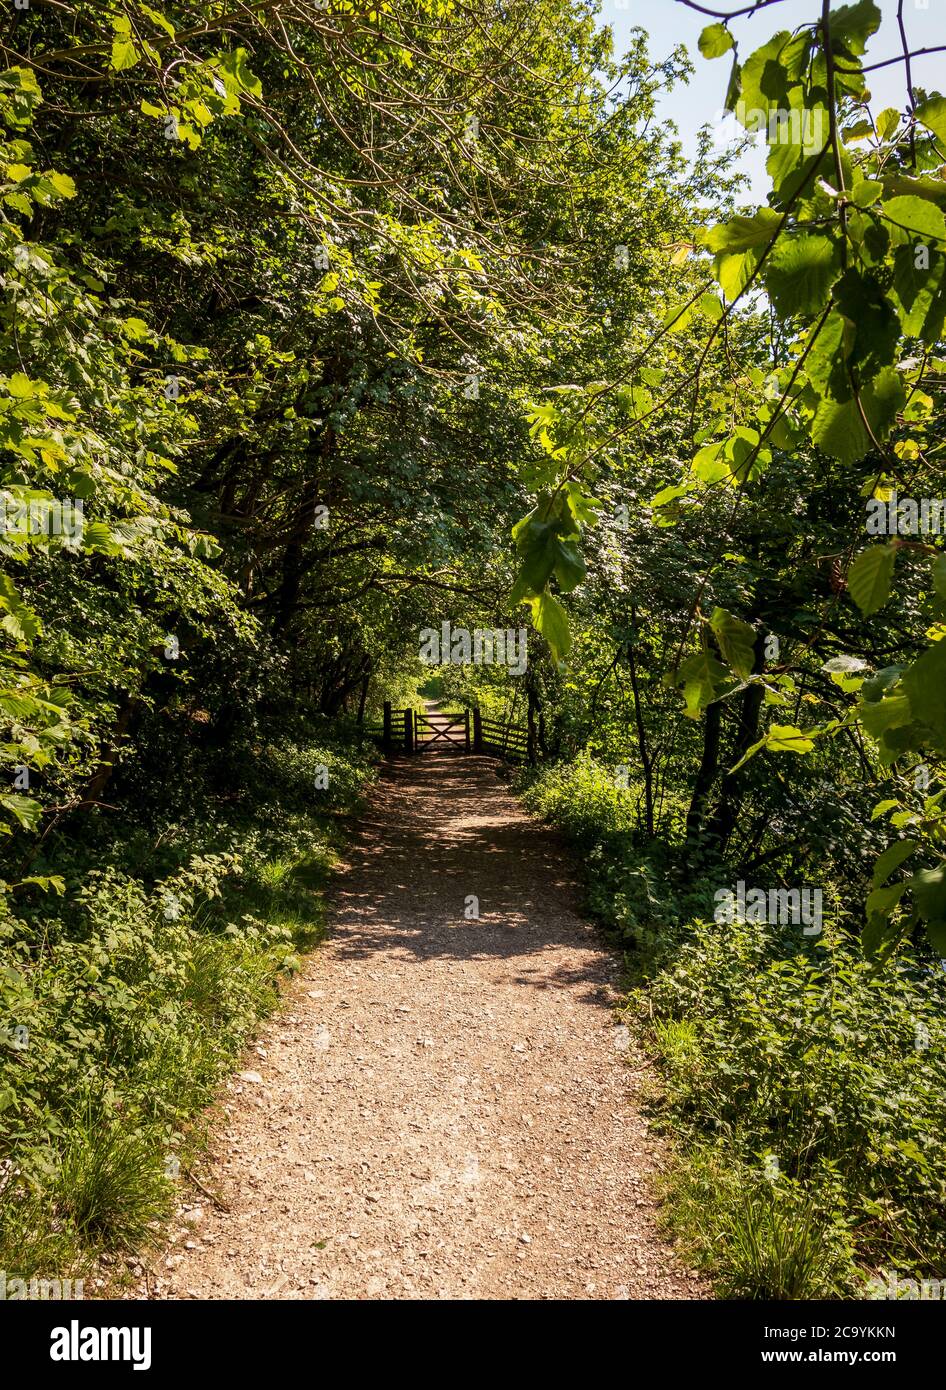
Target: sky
670,23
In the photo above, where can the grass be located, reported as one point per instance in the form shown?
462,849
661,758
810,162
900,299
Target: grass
139,991
758,1238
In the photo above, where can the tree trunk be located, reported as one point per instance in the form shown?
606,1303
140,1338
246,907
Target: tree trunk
706,776
722,823
642,748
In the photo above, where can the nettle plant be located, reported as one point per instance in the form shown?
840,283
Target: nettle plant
847,257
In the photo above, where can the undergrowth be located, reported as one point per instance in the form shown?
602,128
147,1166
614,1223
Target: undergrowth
127,999
804,1089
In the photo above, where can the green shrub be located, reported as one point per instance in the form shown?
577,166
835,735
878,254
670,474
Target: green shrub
773,1048
129,997
800,1049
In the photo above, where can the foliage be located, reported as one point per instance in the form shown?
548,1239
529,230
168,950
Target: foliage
127,1004
803,1088
850,251
322,325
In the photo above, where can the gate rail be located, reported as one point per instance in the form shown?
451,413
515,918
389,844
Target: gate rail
452,730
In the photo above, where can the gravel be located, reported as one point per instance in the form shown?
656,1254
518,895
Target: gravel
442,1107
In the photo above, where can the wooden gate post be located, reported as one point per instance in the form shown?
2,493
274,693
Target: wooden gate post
408,715
387,726
477,730
467,729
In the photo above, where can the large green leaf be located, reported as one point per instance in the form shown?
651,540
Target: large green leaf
800,272
742,233
917,216
550,618
891,859
932,113
839,427
870,576
715,40
701,678
736,641
924,684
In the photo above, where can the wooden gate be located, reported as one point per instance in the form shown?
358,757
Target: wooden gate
477,734
442,731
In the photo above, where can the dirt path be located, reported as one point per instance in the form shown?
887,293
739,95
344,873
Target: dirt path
441,1108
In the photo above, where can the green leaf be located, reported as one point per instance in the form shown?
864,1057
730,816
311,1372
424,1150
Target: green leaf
915,285
708,465
700,678
929,893
936,932
924,684
882,901
569,565
916,216
747,461
870,576
874,332
736,642
550,618
866,193
715,40
238,75
892,857
800,272
96,536
24,809
50,883
124,55
135,330
880,936
887,122
538,560
852,26
667,495
838,427
932,114
18,620
734,270
742,233
786,738
879,716
62,183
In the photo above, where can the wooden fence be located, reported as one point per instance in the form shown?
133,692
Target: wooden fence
406,731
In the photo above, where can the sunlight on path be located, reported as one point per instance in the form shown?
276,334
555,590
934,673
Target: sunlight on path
441,1110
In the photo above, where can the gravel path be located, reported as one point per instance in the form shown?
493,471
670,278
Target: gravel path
441,1109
